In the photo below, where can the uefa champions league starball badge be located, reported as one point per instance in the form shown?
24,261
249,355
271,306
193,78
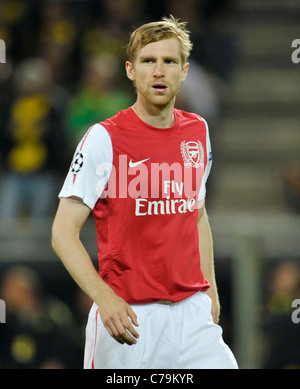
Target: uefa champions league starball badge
77,163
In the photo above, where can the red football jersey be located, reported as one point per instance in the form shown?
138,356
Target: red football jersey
143,184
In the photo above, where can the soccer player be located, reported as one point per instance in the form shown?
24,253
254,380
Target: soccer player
142,173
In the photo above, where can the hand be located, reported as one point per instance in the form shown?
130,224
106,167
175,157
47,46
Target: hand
215,304
118,318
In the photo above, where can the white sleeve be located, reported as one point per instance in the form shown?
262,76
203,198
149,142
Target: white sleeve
90,168
202,192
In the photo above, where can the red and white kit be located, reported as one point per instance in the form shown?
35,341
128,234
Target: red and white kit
143,185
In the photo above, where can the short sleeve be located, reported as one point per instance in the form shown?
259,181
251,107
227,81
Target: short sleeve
90,168
202,192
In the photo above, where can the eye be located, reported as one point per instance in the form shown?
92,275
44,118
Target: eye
171,61
148,60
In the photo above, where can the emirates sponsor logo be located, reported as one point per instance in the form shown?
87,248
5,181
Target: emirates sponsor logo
168,206
157,188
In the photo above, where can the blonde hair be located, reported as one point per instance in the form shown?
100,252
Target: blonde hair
157,31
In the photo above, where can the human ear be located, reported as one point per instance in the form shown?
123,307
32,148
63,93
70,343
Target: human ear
185,71
130,70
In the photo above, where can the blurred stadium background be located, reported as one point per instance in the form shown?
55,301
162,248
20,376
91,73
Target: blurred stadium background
64,70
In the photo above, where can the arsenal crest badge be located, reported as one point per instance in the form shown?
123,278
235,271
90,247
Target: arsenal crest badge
192,154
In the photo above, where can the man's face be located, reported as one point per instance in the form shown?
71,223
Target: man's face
157,72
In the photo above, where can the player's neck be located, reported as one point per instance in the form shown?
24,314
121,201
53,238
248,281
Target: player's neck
160,117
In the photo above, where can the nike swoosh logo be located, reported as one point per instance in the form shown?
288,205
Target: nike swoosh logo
134,164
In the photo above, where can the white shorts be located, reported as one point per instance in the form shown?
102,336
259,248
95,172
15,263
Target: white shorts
177,336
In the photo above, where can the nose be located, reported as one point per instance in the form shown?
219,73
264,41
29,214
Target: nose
158,72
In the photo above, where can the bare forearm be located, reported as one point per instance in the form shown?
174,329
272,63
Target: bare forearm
116,314
113,310
77,261
207,263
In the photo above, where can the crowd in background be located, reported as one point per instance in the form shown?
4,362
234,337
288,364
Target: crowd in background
65,71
